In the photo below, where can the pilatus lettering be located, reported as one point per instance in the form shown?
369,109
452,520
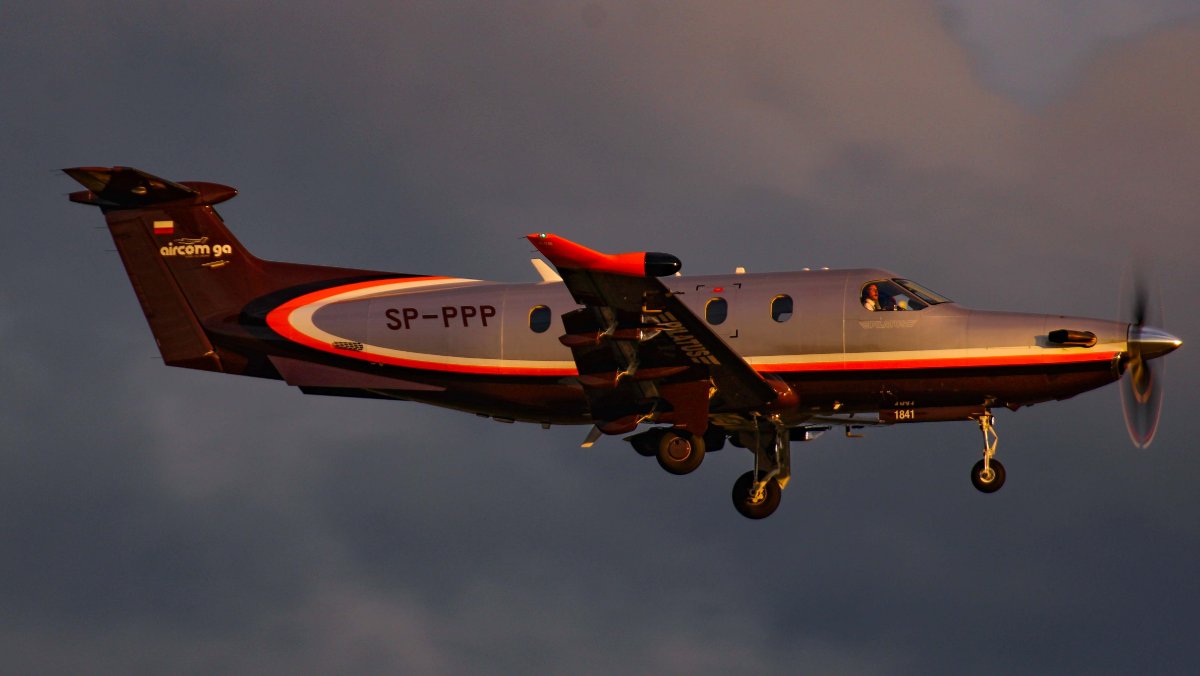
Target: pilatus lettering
690,345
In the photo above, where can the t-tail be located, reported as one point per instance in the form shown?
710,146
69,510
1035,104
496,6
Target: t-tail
197,285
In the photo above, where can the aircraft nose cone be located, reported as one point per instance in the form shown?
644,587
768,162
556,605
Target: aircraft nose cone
1152,342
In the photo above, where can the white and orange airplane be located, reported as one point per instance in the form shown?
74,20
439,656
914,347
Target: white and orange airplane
616,341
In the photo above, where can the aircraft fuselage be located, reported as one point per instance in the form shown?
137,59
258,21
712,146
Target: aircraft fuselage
480,345
618,341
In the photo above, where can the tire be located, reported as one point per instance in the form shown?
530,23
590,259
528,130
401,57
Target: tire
749,508
987,486
680,452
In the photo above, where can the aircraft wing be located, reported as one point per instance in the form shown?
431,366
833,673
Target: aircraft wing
638,349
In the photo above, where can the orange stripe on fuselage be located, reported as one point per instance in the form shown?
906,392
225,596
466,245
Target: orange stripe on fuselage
939,363
279,319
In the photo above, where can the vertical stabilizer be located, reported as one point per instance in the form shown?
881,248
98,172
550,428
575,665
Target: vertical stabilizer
191,275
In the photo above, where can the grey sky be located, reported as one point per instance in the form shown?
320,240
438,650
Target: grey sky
1035,50
159,519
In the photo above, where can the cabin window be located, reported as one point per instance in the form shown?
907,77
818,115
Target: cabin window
781,308
539,319
716,310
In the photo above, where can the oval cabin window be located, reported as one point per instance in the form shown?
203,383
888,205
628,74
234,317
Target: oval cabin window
716,310
539,319
781,308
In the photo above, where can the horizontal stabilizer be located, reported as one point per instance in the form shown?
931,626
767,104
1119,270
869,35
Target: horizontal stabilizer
129,188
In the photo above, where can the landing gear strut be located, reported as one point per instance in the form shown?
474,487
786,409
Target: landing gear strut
988,474
756,493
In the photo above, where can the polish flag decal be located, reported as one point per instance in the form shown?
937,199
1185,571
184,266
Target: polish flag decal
164,227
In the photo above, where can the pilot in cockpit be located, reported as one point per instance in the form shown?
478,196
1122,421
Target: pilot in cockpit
884,294
898,294
870,298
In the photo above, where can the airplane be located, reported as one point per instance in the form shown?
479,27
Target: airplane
616,341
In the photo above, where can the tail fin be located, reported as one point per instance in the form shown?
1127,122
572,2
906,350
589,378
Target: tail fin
190,274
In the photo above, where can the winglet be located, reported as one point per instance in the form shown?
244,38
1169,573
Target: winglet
545,271
567,254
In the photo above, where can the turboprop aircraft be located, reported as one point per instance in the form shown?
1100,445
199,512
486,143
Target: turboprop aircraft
616,341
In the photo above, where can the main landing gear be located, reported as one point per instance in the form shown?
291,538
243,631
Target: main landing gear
988,474
756,496
680,451
756,493
677,450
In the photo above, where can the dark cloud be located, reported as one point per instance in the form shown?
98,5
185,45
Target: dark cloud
157,518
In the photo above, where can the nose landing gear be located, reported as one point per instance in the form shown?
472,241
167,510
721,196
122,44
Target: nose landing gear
988,474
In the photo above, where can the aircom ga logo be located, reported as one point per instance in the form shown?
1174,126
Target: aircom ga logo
194,247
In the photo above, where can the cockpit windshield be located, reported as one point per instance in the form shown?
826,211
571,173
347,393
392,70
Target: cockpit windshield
923,293
898,294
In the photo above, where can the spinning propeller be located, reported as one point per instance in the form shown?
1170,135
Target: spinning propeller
1141,386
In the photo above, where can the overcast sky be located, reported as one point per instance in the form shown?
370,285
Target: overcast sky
1012,155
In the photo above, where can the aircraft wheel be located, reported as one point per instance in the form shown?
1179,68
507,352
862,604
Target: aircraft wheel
990,483
680,452
756,507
